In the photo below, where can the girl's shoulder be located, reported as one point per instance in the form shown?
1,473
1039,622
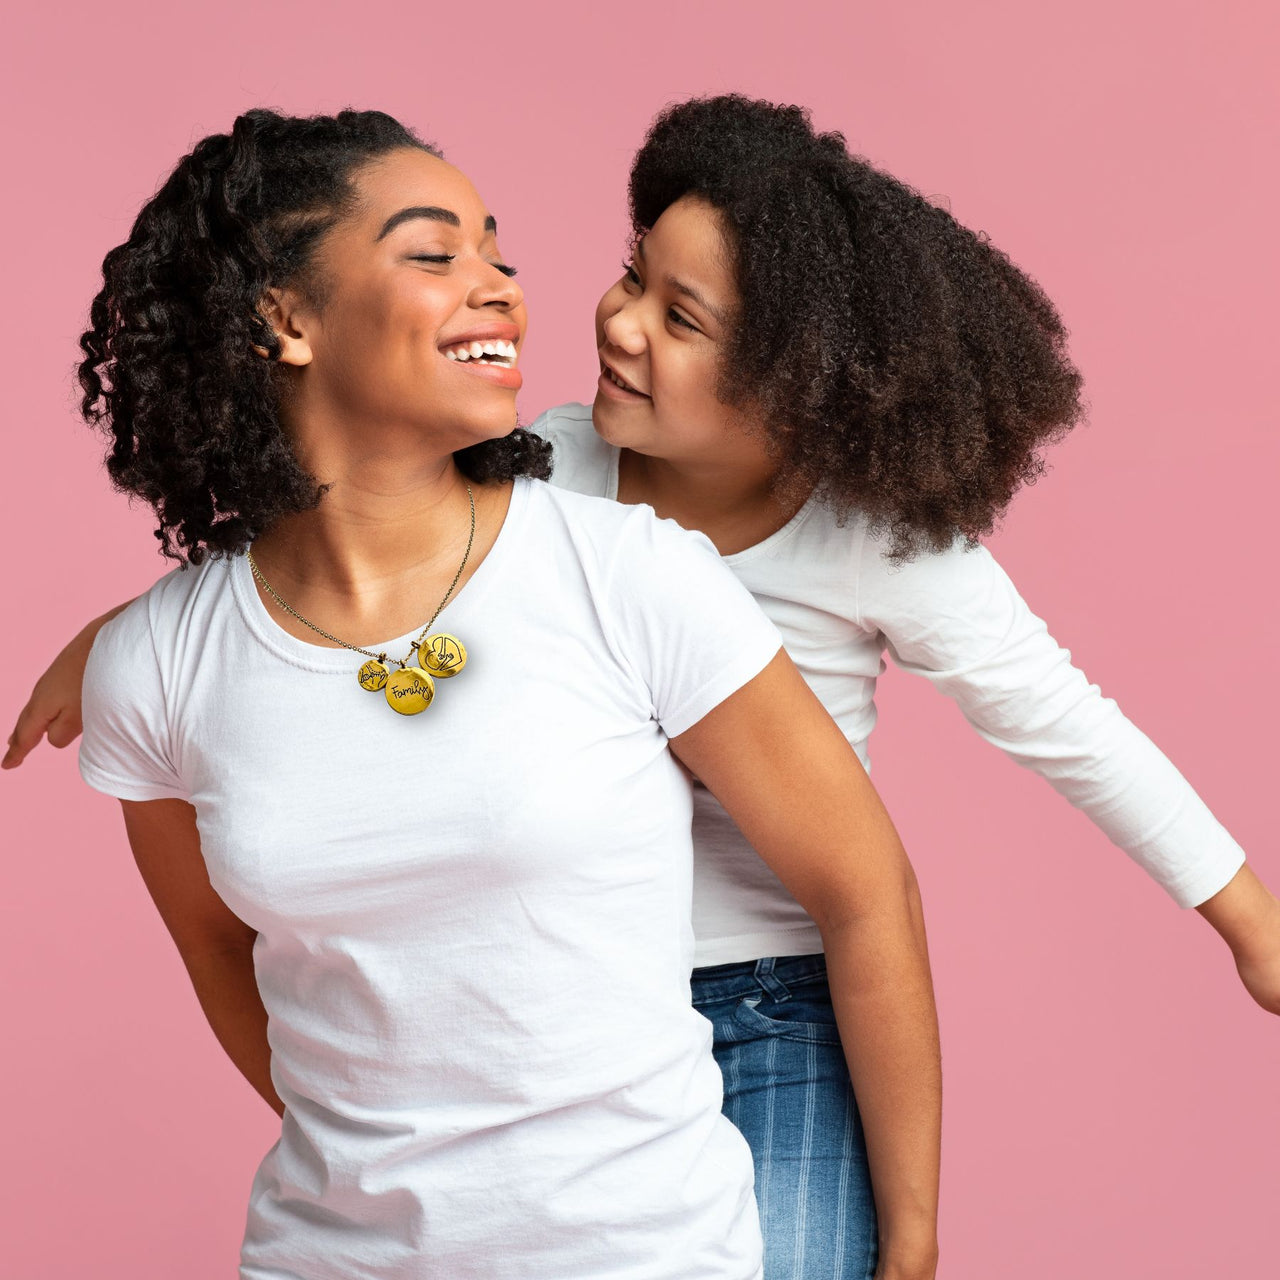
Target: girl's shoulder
581,460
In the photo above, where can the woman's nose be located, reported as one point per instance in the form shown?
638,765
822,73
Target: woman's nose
496,287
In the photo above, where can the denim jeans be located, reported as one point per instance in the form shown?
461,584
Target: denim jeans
787,1089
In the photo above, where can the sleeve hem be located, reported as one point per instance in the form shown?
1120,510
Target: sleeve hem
1201,887
123,789
725,683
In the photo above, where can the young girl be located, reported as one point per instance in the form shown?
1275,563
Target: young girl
393,867
843,388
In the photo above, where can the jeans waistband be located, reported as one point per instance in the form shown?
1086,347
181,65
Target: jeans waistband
774,975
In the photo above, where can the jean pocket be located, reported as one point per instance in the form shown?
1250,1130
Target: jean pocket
799,1018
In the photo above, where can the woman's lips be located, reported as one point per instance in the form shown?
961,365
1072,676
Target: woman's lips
501,375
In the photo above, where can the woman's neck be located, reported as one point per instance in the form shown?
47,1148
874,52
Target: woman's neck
373,558
371,523
732,502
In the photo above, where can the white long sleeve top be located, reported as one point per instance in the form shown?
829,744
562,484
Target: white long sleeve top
956,619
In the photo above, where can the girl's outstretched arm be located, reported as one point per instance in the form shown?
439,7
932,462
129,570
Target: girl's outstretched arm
955,618
53,709
777,762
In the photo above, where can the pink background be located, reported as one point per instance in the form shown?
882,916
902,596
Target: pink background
1111,1093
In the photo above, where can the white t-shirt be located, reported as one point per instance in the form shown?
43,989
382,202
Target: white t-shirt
956,619
473,924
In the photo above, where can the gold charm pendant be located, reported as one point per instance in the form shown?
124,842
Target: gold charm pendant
373,676
442,655
410,690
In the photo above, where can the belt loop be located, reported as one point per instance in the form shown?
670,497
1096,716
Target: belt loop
769,981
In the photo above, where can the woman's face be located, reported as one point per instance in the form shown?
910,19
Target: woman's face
410,293
663,329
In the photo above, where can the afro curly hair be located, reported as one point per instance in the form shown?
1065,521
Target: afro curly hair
899,364
170,371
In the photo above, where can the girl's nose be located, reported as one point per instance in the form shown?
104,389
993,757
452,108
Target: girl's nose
622,330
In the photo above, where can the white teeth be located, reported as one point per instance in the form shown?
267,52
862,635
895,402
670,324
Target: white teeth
498,349
618,382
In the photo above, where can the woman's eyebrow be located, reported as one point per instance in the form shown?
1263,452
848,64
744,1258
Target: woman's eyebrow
432,213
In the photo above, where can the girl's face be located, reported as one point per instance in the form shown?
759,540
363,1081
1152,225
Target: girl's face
662,331
410,294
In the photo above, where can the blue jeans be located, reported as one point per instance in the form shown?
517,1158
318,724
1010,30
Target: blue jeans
787,1089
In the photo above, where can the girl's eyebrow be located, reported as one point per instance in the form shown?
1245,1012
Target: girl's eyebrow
687,290
432,213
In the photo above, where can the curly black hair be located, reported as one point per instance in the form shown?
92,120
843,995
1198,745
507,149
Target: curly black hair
899,364
169,369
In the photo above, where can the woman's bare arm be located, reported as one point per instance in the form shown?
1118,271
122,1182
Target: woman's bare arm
214,943
54,705
777,762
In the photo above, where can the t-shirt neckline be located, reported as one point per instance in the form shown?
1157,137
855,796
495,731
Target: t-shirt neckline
322,658
763,547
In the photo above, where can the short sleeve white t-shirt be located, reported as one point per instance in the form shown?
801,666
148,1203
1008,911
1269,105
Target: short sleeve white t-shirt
955,618
474,936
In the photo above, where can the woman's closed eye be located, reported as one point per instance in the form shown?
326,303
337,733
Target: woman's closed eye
443,260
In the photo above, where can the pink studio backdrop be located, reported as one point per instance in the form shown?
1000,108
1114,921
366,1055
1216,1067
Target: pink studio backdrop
1111,1099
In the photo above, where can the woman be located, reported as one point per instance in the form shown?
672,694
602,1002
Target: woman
307,349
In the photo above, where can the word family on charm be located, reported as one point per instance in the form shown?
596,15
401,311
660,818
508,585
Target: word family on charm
412,687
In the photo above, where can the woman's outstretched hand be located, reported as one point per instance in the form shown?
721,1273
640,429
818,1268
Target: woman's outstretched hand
1247,915
53,709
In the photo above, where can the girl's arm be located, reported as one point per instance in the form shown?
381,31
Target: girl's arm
214,943
782,769
956,619
54,705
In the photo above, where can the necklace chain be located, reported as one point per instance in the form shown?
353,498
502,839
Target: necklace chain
378,657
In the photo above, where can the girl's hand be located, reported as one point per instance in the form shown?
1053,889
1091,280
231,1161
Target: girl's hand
53,709
1261,977
1258,960
1247,916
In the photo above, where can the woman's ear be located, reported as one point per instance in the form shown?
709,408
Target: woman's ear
283,310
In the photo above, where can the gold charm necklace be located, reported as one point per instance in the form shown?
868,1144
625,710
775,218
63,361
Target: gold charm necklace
411,688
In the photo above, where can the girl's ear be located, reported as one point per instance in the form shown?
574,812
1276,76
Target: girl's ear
283,310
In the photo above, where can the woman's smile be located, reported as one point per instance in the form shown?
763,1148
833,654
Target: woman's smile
490,350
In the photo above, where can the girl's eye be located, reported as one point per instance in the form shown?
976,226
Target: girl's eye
676,318
504,268
629,274
440,259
